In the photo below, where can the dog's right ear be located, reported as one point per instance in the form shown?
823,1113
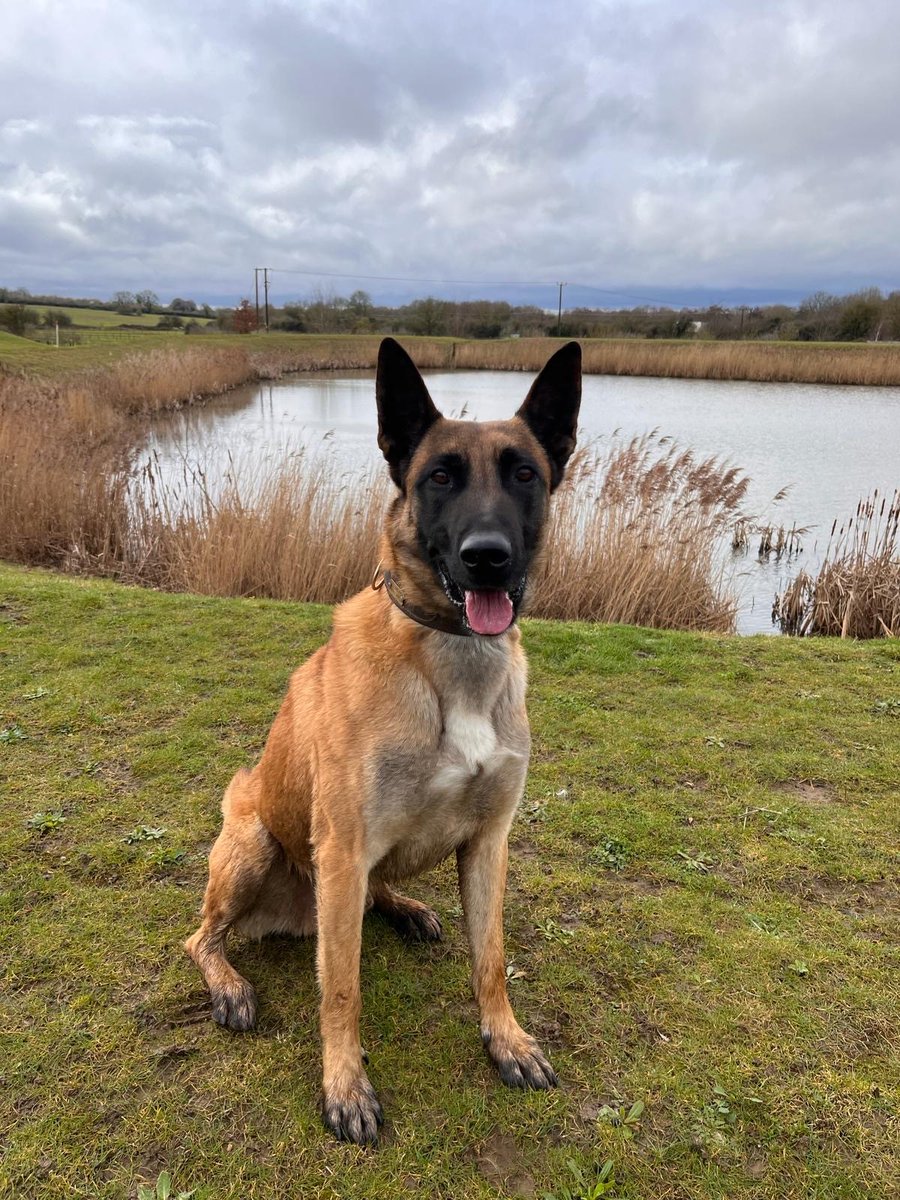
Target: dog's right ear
405,410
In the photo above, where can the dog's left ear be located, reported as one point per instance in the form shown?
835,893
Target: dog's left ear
405,410
551,408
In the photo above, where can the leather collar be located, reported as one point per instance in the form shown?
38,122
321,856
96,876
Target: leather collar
430,620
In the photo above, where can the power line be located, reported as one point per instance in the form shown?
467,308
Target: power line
487,283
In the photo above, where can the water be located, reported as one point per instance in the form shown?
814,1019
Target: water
828,445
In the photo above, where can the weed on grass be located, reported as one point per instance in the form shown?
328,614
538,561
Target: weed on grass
610,854
625,1118
713,1124
45,822
586,1185
696,860
144,833
162,1190
552,931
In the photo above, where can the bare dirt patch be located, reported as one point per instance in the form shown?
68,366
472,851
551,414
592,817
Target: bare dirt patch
499,1161
850,897
809,791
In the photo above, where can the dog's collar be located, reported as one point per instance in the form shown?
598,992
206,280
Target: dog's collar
384,579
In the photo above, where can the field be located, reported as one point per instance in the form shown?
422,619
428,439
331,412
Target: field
102,318
847,363
701,920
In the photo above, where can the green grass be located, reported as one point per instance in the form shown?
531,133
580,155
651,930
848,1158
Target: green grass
702,916
102,318
97,348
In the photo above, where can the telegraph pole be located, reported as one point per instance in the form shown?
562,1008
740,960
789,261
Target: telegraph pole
256,286
559,310
265,272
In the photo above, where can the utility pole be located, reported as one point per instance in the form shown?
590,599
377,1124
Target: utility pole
265,271
256,287
559,310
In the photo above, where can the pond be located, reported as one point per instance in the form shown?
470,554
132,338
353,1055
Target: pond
828,445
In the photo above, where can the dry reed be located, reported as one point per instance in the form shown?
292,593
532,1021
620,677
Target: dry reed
766,362
632,538
635,535
633,531
775,541
296,530
856,591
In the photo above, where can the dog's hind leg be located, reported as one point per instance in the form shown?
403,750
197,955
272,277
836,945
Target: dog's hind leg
238,865
409,917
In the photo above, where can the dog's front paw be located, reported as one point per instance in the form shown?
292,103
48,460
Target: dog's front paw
520,1061
353,1113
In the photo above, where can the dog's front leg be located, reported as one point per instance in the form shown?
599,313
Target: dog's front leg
482,883
350,1107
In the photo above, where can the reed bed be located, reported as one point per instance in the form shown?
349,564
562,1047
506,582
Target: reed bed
635,532
295,530
766,362
633,535
201,366
856,591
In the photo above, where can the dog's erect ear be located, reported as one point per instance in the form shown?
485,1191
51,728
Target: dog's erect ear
405,410
551,408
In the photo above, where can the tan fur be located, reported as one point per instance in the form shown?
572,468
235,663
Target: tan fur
395,746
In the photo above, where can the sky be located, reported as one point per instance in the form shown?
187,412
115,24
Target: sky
639,150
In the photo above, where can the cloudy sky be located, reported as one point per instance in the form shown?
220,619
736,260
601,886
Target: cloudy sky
667,148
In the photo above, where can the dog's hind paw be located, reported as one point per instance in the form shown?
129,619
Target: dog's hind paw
419,924
410,918
354,1116
235,1007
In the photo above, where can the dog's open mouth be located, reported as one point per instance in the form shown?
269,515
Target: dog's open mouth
488,611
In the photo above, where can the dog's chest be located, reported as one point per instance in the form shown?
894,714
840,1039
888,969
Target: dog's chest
472,766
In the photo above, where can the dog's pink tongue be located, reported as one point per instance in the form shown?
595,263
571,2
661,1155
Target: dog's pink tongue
489,611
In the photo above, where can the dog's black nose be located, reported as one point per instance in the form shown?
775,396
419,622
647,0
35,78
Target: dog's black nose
485,551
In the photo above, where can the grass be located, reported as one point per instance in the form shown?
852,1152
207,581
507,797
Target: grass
702,917
102,318
797,362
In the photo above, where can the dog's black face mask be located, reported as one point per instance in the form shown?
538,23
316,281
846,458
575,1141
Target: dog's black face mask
478,491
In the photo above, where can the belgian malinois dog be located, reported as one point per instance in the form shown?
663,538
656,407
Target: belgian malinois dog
405,738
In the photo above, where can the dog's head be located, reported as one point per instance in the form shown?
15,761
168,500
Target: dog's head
473,495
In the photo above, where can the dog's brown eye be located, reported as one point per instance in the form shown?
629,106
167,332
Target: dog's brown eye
525,474
440,477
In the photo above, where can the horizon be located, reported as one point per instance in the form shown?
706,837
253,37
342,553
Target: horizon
528,295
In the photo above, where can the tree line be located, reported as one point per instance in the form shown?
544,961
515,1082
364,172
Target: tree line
867,315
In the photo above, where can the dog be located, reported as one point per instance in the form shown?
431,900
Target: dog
405,738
